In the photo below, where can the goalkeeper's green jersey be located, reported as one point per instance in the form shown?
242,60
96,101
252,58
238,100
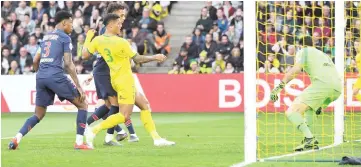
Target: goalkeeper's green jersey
319,68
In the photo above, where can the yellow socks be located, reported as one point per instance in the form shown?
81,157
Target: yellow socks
110,122
358,97
146,118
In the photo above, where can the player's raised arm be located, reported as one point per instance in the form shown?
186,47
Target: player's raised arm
36,60
88,46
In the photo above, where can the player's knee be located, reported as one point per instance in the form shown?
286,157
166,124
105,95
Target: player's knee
127,115
299,108
83,106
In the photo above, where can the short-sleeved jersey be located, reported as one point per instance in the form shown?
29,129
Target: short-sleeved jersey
101,67
319,67
53,47
116,52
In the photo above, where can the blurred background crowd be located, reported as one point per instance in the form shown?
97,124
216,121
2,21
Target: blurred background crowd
214,45
282,24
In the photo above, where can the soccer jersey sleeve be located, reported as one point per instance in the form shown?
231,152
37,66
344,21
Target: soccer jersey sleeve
300,57
128,49
92,48
67,45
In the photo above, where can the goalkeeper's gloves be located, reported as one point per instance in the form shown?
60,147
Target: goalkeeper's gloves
276,90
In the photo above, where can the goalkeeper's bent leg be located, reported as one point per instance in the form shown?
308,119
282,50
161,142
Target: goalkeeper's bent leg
294,115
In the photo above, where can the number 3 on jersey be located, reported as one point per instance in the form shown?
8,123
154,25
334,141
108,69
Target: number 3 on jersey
109,57
47,49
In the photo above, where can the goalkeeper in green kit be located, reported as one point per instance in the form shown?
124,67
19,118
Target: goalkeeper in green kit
325,88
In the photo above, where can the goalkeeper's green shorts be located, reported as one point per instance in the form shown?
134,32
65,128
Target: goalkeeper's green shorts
317,95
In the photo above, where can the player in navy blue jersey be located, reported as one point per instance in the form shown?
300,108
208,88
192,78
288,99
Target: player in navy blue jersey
54,60
105,91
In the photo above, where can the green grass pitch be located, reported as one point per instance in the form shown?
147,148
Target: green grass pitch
202,140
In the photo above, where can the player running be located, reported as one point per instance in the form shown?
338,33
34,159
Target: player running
55,59
325,88
357,85
106,92
117,53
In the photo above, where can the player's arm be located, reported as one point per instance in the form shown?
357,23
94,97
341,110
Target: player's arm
36,60
145,59
70,68
89,46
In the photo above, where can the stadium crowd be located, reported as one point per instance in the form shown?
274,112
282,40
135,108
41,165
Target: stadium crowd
352,34
23,25
282,24
216,43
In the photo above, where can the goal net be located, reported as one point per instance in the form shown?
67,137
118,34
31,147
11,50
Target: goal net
279,26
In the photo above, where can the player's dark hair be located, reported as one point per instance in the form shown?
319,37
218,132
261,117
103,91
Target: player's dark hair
110,17
306,41
112,7
62,15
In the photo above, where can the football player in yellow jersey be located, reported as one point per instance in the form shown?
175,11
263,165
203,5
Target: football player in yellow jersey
357,86
117,53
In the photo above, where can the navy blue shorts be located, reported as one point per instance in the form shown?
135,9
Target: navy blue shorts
47,88
103,86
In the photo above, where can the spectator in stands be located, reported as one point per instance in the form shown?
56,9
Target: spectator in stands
162,39
216,33
237,21
236,60
28,24
228,9
212,11
302,32
175,69
53,9
183,59
221,21
86,9
38,12
270,36
205,64
286,35
198,39
219,61
146,22
225,47
14,45
194,69
272,64
233,35
330,48
217,70
22,10
323,29
210,47
69,6
317,42
138,37
6,9
229,69
44,25
309,24
356,28
24,59
14,21
94,19
5,34
204,23
192,49
156,12
79,69
79,46
136,11
32,46
14,70
5,60
38,34
290,21
78,22
289,58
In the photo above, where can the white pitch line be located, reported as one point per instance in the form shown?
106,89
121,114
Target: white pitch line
298,153
242,164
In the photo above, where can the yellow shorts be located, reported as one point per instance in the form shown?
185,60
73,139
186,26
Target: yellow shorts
357,84
125,91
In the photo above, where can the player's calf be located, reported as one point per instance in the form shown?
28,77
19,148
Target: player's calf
81,123
28,125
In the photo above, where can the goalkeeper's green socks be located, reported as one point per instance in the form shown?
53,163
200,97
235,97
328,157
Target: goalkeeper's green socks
297,120
310,117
